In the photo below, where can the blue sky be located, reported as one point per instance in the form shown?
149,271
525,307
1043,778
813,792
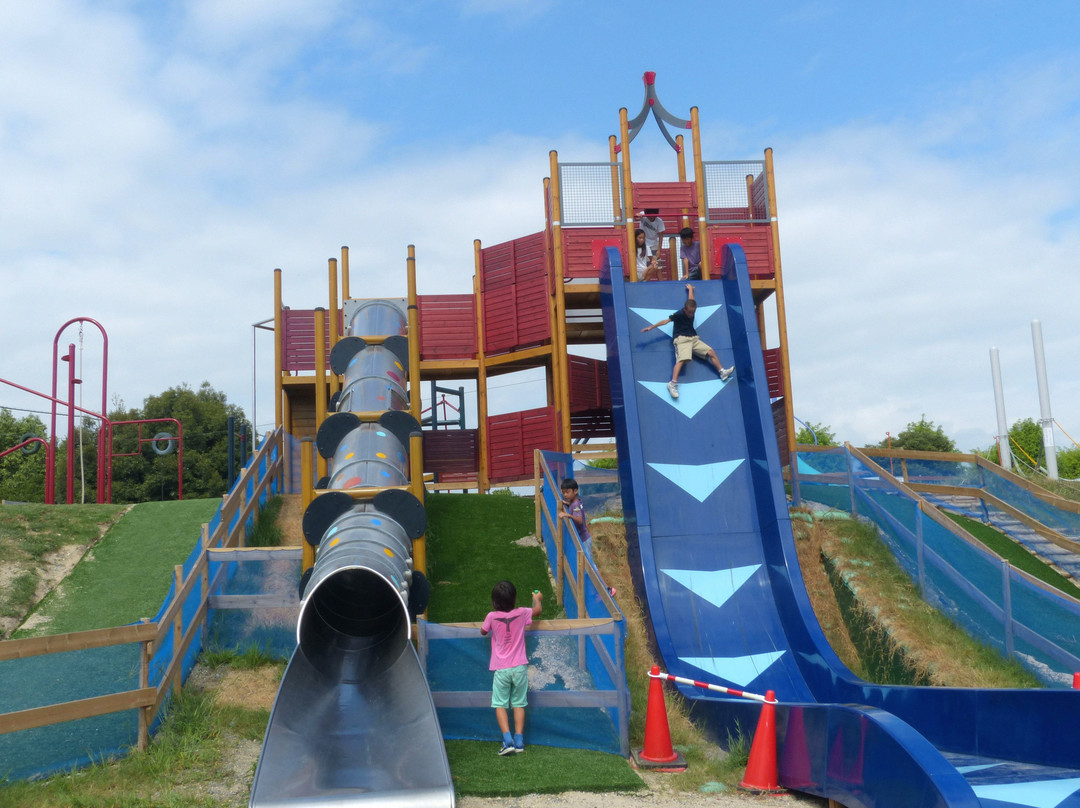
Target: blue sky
159,159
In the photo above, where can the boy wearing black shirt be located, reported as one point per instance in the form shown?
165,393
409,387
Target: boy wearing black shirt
687,343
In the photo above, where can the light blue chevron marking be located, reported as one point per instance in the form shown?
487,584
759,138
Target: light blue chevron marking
1037,794
737,670
692,395
651,316
966,769
715,586
698,481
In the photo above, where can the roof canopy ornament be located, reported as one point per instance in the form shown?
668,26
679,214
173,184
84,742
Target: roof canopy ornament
652,105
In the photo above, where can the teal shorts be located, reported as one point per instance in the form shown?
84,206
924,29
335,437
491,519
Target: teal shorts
510,687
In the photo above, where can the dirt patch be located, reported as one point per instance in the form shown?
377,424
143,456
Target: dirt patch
254,689
290,520
49,570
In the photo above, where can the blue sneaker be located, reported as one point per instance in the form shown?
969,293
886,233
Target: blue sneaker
519,743
508,749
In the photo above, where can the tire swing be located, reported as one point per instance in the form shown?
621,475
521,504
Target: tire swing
163,438
29,448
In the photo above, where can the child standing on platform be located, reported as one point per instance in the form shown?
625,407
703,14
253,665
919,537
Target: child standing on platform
573,508
509,661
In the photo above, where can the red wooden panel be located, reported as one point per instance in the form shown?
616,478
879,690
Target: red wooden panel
774,372
589,388
516,314
670,198
581,249
756,242
452,454
513,437
780,424
447,325
298,341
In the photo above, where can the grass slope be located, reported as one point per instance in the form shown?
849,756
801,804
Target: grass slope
472,545
31,534
126,576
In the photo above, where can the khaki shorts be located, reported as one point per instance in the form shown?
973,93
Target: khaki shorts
688,347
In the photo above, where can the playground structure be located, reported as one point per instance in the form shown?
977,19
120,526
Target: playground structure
162,443
716,572
710,538
537,297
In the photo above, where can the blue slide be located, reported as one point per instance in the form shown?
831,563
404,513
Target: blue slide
715,567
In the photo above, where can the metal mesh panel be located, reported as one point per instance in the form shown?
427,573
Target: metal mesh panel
727,197
591,194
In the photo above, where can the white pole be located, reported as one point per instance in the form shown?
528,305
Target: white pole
1004,452
1045,420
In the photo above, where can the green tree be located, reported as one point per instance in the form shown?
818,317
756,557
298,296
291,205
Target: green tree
1069,464
140,474
1025,438
22,474
813,433
921,436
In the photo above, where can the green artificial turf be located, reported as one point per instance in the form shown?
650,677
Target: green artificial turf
127,575
479,771
1016,554
471,545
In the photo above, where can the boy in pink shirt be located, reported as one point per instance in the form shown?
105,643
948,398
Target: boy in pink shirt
510,685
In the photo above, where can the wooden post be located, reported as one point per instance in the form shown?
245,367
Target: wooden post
538,496
415,407
628,195
781,313
332,325
144,681
482,481
560,393
277,349
416,484
178,628
560,559
345,274
307,483
320,381
702,203
613,157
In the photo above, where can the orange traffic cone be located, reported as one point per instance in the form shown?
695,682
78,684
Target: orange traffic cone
761,768
658,754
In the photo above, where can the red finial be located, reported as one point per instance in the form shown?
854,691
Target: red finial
649,78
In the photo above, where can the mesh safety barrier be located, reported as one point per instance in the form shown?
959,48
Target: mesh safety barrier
60,677
981,593
578,695
591,194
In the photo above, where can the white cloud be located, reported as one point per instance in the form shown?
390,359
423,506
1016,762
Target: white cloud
903,266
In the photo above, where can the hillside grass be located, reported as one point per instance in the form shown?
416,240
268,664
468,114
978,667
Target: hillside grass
29,537
475,540
127,574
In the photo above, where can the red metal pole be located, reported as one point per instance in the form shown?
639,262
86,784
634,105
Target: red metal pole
72,381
